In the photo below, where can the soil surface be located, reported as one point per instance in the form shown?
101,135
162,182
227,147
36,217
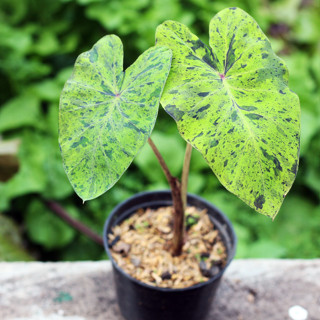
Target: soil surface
141,246
250,290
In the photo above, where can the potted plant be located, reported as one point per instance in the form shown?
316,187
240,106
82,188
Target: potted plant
230,101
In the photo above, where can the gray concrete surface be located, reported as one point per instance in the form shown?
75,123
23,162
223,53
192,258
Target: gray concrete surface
250,290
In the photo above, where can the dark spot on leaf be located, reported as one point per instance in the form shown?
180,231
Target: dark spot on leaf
234,116
277,163
245,35
216,122
259,202
254,116
230,57
109,154
190,56
83,142
250,55
247,108
274,159
294,167
203,108
214,143
282,92
125,152
288,119
132,126
264,141
225,163
264,56
231,130
174,112
203,94
196,44
209,59
243,65
93,55
190,68
106,90
197,136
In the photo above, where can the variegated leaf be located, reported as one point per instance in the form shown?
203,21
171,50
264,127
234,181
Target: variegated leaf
107,115
231,101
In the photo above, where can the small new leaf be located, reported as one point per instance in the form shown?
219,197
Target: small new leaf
231,102
106,114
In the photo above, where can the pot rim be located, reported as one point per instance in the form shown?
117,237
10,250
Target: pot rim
231,254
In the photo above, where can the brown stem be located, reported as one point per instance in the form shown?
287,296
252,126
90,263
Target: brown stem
57,209
185,175
161,161
178,217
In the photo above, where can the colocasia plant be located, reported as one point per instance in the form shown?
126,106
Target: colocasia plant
230,101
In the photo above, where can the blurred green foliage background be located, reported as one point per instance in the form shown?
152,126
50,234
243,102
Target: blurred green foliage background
39,42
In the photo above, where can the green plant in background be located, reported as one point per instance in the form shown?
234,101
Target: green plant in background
38,43
11,248
231,102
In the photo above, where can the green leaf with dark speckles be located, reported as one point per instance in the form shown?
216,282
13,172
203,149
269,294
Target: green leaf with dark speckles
231,101
107,115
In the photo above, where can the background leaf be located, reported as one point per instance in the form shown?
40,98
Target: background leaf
21,111
11,243
40,170
43,226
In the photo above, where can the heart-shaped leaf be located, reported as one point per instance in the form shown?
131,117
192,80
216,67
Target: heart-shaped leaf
107,115
231,101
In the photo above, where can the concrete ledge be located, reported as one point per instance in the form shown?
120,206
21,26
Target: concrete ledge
250,290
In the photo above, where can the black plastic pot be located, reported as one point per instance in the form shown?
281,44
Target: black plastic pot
140,301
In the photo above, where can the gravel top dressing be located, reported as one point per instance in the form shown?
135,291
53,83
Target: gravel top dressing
141,247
